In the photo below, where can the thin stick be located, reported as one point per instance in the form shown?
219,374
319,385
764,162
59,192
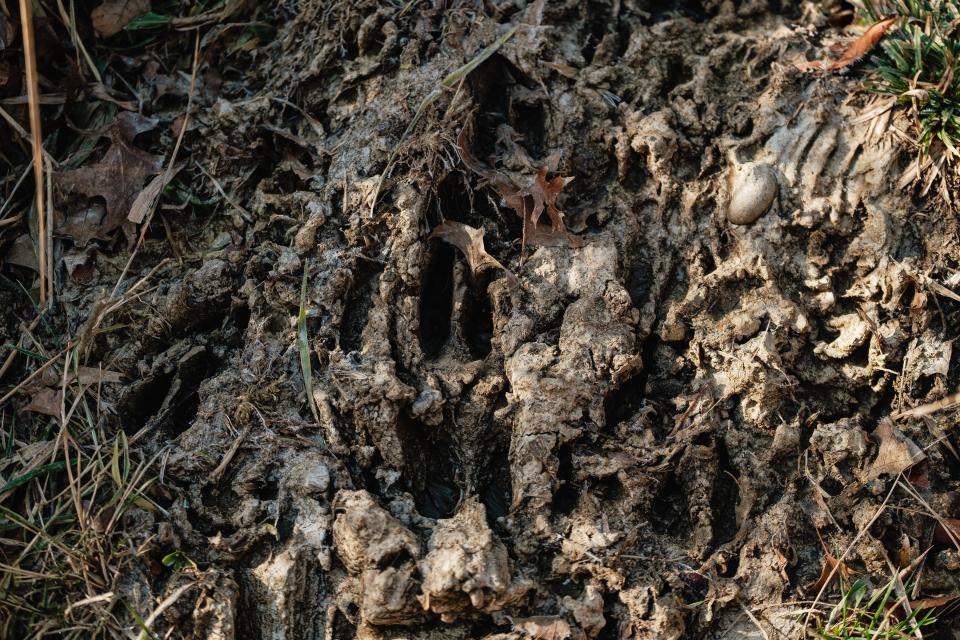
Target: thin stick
33,92
928,409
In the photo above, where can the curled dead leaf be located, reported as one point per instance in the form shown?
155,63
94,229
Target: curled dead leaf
947,532
470,241
113,15
22,253
831,570
860,47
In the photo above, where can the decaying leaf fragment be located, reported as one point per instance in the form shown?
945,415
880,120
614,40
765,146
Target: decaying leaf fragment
947,532
470,241
896,452
46,401
118,177
529,202
544,627
113,15
860,47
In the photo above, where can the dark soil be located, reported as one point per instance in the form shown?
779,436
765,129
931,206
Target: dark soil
661,433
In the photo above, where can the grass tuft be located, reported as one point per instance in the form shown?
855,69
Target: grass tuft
918,65
874,614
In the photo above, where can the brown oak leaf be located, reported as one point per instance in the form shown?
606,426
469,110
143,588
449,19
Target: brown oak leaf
118,178
470,241
113,15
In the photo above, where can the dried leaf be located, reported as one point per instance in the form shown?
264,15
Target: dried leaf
22,253
470,241
46,401
80,264
528,202
113,15
896,453
545,627
947,532
82,226
119,176
147,198
933,602
831,570
860,47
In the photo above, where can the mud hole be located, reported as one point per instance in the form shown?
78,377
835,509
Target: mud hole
646,438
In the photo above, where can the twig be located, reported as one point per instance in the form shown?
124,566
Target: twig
754,620
928,409
236,205
163,606
33,91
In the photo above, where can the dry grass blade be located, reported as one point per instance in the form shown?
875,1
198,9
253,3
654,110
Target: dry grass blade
931,408
36,137
303,346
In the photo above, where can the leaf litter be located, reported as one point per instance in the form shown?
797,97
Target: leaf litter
119,178
530,201
112,16
856,51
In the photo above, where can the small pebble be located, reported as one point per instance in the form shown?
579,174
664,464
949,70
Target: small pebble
316,480
753,186
222,241
288,262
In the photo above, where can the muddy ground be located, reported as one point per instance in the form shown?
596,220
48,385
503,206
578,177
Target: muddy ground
659,429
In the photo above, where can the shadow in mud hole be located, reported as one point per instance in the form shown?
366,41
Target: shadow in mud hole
436,299
359,302
490,84
495,486
668,514
433,473
725,498
436,307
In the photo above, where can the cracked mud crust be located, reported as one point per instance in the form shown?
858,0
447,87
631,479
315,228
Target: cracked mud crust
649,434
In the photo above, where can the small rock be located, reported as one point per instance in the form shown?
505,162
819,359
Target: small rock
288,262
316,479
753,186
222,241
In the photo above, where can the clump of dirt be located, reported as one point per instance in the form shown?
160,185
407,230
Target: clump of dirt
641,433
